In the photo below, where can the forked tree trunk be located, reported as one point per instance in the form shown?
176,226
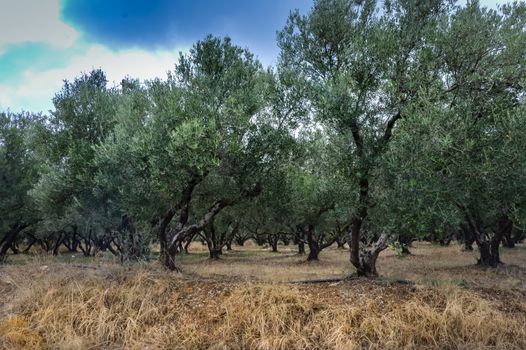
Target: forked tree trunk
367,258
28,247
215,253
488,246
273,241
489,254
367,264
9,238
58,243
215,250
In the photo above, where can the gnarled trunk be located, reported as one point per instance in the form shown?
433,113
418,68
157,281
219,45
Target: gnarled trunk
356,226
488,245
367,258
367,266
168,259
489,254
9,238
273,241
314,252
215,253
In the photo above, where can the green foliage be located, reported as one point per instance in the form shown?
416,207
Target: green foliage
20,135
404,118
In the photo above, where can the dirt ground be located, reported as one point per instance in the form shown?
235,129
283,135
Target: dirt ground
428,264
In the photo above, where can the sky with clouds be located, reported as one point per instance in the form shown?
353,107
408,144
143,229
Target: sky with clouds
43,42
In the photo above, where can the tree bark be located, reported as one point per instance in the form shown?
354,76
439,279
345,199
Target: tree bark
489,254
168,259
314,247
488,246
215,253
367,258
28,247
356,226
273,241
9,238
58,243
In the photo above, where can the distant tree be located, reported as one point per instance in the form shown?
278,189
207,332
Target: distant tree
318,190
462,148
20,165
72,206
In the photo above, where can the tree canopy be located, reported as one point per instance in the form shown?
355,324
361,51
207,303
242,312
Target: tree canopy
381,122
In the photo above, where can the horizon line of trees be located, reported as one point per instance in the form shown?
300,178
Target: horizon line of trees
382,123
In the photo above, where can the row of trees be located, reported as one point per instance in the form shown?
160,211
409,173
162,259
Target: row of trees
380,123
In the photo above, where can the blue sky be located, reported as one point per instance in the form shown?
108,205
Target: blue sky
43,42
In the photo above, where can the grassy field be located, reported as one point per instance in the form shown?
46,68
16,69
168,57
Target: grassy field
247,300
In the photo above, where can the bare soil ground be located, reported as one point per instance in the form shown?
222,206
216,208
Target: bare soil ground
246,301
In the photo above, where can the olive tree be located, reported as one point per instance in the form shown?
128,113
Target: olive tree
67,198
363,66
20,166
203,143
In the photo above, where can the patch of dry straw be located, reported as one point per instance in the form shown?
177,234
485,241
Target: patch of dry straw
145,309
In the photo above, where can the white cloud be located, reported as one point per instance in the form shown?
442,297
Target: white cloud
34,21
5,99
34,89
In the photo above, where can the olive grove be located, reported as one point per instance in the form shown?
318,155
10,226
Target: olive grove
382,122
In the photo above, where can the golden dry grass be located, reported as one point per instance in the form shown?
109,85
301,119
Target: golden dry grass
220,305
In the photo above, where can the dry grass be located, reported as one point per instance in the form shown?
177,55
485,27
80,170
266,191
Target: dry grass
231,304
